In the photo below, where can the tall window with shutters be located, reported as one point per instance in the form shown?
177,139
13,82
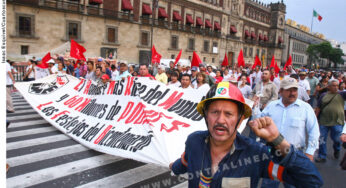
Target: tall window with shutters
191,43
73,30
25,25
174,42
145,38
206,45
112,34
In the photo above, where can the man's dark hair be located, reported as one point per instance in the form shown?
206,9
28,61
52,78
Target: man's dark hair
144,65
187,76
99,67
174,74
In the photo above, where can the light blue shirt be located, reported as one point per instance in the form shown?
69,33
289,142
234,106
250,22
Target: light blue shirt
123,75
295,122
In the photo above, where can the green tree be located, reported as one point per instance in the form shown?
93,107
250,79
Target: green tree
335,55
313,53
324,50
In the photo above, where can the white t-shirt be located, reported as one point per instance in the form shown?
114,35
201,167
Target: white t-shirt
212,74
115,73
302,94
41,73
8,78
277,83
204,87
304,84
186,88
226,77
246,91
32,74
256,76
54,69
176,84
14,69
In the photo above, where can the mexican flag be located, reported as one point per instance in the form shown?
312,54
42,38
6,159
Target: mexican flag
315,14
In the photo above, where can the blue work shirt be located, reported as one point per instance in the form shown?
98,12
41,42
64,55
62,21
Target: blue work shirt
295,122
123,75
244,165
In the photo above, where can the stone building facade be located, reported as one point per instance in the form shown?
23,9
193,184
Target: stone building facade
298,40
128,28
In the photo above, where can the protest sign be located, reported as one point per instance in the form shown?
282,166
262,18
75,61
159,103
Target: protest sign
136,118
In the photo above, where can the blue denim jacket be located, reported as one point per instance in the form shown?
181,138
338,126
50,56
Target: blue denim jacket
246,163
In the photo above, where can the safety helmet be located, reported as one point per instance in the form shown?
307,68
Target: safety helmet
225,91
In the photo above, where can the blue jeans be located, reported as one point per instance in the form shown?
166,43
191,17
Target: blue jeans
335,132
312,101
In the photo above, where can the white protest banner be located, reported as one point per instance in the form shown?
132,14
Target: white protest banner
136,118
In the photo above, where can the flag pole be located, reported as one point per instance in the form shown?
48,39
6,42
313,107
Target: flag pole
312,19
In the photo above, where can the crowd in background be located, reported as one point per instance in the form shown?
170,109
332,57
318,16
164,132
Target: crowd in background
313,100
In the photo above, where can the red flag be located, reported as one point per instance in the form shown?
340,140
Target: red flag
257,62
155,57
45,59
241,61
177,58
195,60
272,64
288,62
77,50
276,67
225,61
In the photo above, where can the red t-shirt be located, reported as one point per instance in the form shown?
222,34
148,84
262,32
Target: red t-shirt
148,75
218,79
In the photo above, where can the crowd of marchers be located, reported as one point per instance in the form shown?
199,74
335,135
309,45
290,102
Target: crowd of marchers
305,104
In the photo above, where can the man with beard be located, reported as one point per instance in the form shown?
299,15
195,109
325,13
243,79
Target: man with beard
265,91
214,158
295,120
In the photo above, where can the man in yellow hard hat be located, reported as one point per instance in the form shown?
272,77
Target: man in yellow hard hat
221,157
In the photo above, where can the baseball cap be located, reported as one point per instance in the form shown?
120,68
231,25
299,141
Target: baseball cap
51,61
105,77
194,68
123,62
39,59
201,65
288,83
161,67
302,73
99,59
312,72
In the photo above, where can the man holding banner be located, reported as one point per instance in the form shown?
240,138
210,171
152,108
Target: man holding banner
221,157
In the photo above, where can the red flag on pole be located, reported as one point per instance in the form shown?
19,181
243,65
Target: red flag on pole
177,58
288,62
225,61
241,61
257,62
155,57
45,59
77,50
276,67
272,64
195,60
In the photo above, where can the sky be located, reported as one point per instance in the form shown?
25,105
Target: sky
333,12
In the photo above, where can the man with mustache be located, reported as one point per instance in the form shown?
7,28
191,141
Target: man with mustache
295,120
265,91
216,157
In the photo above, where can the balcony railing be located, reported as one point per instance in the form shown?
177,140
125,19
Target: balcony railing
232,36
76,7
